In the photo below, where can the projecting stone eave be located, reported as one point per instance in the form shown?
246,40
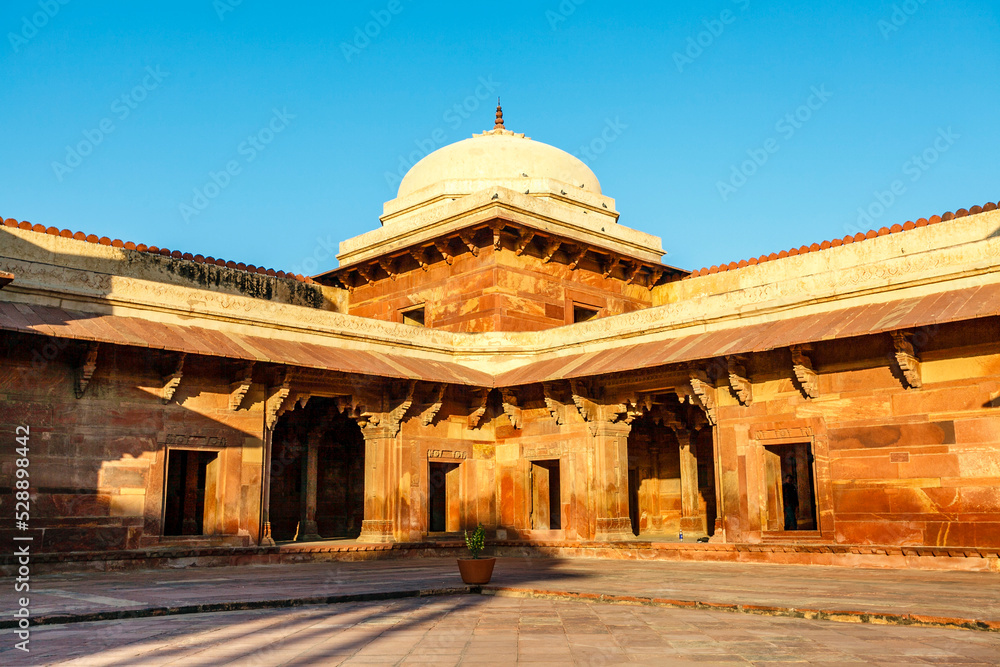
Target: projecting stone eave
576,224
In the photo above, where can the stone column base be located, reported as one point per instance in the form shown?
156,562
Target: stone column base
614,529
266,540
376,532
307,532
693,524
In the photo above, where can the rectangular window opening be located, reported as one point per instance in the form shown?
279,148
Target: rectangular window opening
583,313
415,317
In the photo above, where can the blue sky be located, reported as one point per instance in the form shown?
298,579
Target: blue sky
743,126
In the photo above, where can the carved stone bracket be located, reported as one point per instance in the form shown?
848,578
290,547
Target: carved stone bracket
739,381
276,397
557,408
576,256
654,278
612,262
632,272
906,358
510,407
434,405
469,239
551,247
419,255
239,388
802,365
378,410
367,273
605,410
497,228
704,395
173,380
444,248
85,371
479,398
523,240
389,266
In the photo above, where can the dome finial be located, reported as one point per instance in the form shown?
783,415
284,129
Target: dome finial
499,122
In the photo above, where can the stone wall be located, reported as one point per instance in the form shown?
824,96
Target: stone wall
97,463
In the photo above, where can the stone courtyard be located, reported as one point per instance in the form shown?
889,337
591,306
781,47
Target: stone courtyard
546,611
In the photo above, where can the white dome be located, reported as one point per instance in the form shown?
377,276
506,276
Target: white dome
500,157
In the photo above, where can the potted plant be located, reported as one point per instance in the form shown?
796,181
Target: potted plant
476,570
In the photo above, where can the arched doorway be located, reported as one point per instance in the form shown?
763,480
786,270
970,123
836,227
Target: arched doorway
322,497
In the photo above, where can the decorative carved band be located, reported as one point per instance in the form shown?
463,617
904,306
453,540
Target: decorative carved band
377,532
613,529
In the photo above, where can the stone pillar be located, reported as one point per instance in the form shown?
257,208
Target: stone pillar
266,540
691,518
190,521
308,531
379,524
609,480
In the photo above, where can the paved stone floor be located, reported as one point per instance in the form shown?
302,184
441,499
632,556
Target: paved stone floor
971,595
483,630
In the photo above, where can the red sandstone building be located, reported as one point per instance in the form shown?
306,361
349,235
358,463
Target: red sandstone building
502,350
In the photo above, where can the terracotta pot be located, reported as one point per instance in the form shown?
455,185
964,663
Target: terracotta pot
476,571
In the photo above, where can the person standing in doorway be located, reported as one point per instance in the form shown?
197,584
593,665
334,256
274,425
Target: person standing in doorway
790,496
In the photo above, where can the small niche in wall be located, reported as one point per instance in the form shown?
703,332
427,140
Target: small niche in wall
415,317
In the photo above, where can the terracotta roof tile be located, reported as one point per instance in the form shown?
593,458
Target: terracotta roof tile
836,243
153,250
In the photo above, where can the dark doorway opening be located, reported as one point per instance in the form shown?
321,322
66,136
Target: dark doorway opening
443,495
546,496
790,487
335,495
192,478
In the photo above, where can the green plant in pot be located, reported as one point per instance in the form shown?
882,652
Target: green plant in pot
476,570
